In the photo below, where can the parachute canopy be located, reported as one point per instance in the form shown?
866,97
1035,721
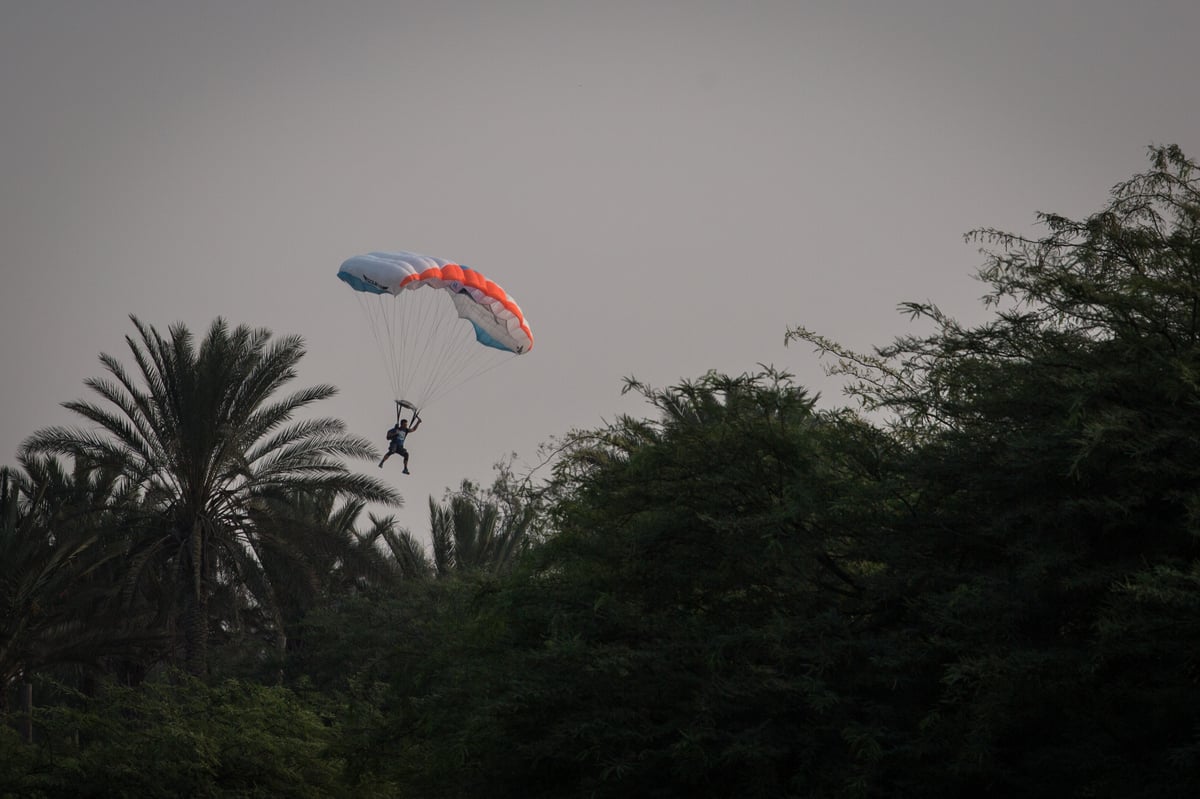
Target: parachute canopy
437,323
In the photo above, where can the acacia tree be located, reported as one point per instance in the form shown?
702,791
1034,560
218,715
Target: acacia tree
1056,495
996,594
201,438
683,631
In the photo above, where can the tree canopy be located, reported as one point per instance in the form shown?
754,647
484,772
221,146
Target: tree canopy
982,578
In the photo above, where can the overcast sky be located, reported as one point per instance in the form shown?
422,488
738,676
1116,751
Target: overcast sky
664,187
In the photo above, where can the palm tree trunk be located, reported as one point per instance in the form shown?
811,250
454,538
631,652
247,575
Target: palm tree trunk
196,637
27,712
196,618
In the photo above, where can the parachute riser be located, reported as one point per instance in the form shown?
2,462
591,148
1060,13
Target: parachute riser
401,405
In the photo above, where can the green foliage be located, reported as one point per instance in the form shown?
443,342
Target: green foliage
19,770
57,561
180,738
748,596
987,584
207,455
1053,480
682,631
478,530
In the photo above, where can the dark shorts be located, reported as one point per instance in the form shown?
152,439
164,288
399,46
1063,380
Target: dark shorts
398,448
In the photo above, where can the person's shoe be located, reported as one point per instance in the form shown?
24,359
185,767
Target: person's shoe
381,464
406,471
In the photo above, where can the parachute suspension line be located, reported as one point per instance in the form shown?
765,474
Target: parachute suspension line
468,376
450,354
462,357
413,316
456,346
379,311
426,342
428,349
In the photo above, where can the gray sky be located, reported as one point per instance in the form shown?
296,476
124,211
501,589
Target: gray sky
664,187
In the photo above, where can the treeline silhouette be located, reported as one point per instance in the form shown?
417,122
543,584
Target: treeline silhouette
979,578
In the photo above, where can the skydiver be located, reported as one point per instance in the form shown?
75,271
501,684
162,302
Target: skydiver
396,436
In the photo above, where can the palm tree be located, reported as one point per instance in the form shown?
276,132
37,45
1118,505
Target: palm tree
409,559
57,608
309,548
30,571
471,532
209,451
